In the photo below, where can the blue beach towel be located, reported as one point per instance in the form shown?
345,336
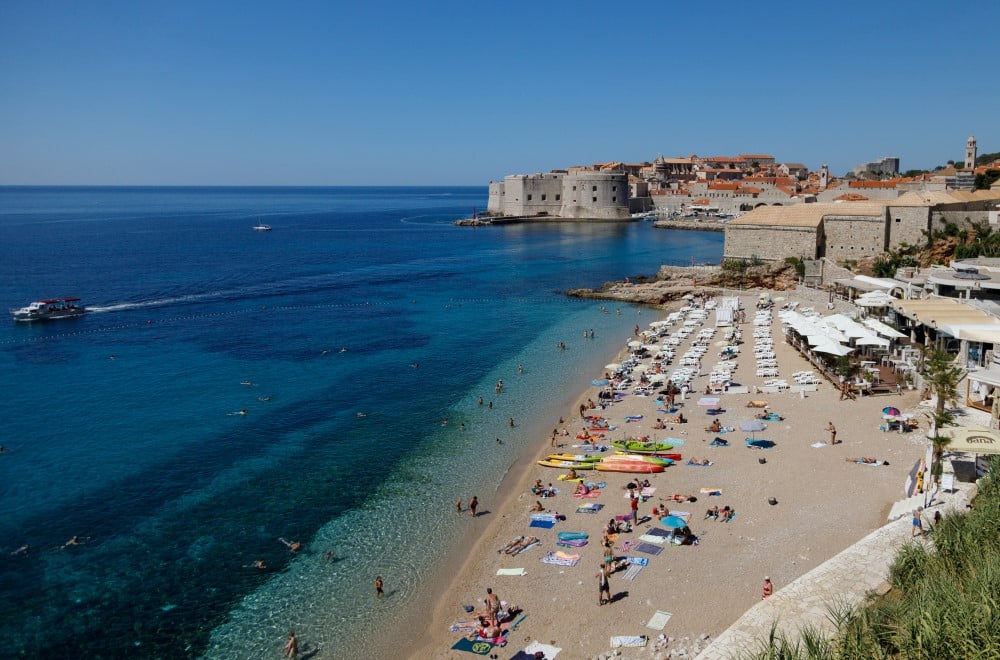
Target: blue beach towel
544,524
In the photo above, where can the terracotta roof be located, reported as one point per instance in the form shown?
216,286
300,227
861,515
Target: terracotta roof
850,197
755,156
749,190
890,183
719,185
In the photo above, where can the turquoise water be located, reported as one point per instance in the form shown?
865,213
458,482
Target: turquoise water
118,426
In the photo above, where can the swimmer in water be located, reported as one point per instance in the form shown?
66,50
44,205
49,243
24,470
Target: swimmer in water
415,365
324,351
264,399
23,550
294,546
361,414
343,350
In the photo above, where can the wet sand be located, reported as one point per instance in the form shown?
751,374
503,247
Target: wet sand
824,504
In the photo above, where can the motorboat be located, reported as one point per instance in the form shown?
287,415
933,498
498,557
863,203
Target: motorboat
262,227
53,308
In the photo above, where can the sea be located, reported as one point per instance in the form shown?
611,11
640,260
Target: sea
230,388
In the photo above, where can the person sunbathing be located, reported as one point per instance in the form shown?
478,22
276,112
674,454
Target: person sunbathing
572,474
659,424
712,513
519,545
719,442
695,461
513,544
537,508
714,427
677,419
726,514
582,489
677,497
864,459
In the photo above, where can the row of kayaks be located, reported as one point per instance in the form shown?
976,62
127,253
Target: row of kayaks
619,462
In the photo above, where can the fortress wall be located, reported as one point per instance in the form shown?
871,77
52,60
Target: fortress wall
852,237
496,198
906,225
770,243
533,194
595,195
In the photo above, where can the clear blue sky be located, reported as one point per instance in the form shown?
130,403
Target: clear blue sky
369,92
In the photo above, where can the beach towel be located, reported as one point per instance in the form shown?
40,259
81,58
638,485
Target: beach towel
637,561
463,626
632,571
628,641
656,531
544,524
544,516
569,536
759,443
693,464
587,496
875,464
626,546
709,401
711,491
560,558
633,418
818,445
721,519
659,620
593,507
476,648
547,650
686,515
572,543
675,442
652,538
526,548
649,548
645,492
511,571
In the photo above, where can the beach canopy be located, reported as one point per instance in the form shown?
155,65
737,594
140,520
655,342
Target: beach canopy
673,522
753,426
972,439
634,344
832,348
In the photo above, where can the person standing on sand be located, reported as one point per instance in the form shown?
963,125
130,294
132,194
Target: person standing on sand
493,606
768,588
458,506
378,586
473,504
292,646
833,432
634,503
603,585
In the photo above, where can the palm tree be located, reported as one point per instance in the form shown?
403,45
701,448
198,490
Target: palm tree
942,376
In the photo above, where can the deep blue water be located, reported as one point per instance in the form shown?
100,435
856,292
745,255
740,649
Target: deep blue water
119,426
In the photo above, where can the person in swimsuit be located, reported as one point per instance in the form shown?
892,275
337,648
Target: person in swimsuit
768,588
603,585
292,647
473,504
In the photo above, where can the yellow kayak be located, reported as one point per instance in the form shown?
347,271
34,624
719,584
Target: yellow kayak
579,458
565,465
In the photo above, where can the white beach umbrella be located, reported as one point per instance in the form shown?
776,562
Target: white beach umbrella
614,366
634,344
641,368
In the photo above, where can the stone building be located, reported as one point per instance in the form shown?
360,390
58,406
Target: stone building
578,194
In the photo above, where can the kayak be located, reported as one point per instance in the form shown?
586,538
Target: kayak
629,466
565,465
641,447
645,458
656,454
579,458
636,458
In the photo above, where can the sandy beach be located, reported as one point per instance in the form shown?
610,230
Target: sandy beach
823,505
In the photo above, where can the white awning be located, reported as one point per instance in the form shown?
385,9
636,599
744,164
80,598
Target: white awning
883,329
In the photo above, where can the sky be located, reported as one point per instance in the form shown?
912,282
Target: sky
464,92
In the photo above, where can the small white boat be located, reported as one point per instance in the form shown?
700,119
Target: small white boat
262,227
53,308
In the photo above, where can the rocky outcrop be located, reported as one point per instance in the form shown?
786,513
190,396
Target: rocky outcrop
674,282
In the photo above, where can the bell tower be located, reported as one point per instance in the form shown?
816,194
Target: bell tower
824,177
970,153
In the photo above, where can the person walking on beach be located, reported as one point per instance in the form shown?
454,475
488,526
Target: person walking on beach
473,504
603,585
918,525
292,646
768,588
378,586
634,504
833,432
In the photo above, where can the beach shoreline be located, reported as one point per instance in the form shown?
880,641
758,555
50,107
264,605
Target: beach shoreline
724,571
